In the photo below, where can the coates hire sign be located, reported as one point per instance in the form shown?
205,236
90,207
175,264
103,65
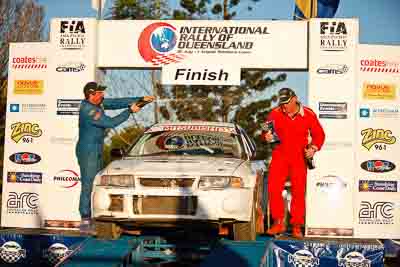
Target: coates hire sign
376,65
154,44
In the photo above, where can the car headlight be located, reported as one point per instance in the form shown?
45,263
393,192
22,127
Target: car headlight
220,182
124,180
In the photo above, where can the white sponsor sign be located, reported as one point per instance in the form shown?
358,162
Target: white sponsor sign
249,44
377,213
332,95
200,75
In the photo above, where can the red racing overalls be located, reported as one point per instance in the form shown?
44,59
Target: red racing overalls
288,159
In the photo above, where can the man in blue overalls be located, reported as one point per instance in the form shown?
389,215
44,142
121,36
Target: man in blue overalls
89,150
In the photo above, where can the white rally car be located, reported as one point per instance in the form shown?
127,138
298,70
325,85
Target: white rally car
196,172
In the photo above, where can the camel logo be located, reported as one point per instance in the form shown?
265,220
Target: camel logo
22,129
373,137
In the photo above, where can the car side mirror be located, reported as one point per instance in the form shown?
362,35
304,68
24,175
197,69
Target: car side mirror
117,153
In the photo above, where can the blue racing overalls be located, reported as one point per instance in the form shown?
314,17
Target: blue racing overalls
89,149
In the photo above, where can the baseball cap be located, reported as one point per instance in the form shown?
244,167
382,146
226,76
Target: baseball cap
93,86
284,95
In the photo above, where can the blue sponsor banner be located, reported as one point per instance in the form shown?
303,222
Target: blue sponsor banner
325,253
35,250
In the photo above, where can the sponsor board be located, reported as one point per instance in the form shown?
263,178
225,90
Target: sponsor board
380,112
23,203
66,178
24,177
29,62
380,139
377,186
25,158
332,110
378,166
15,107
71,67
68,106
333,36
28,87
376,212
379,91
333,69
26,131
379,65
72,34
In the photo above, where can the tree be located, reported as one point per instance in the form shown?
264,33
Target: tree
20,21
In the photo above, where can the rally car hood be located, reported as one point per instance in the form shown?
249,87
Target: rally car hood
174,165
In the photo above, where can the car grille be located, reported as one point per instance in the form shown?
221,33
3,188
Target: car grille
170,205
167,182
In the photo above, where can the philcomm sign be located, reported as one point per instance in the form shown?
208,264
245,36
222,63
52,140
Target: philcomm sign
156,44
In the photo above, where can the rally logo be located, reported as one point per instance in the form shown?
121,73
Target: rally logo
72,34
25,203
56,252
379,91
25,131
354,259
157,42
24,177
383,66
67,178
333,36
377,186
378,166
28,87
303,258
12,252
377,138
28,62
379,212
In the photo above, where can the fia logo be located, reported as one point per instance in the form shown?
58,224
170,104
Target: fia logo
333,28
72,26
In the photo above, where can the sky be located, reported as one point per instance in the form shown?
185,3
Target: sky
379,22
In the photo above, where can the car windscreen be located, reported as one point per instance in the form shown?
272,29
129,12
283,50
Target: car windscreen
186,142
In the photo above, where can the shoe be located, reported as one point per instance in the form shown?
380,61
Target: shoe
277,228
296,231
87,227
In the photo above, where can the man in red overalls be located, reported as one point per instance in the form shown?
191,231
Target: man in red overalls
293,124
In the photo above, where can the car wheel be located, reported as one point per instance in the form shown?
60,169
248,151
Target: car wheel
107,230
246,231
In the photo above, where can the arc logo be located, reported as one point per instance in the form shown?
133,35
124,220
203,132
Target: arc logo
378,166
67,178
373,137
25,158
23,129
379,212
157,42
25,203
